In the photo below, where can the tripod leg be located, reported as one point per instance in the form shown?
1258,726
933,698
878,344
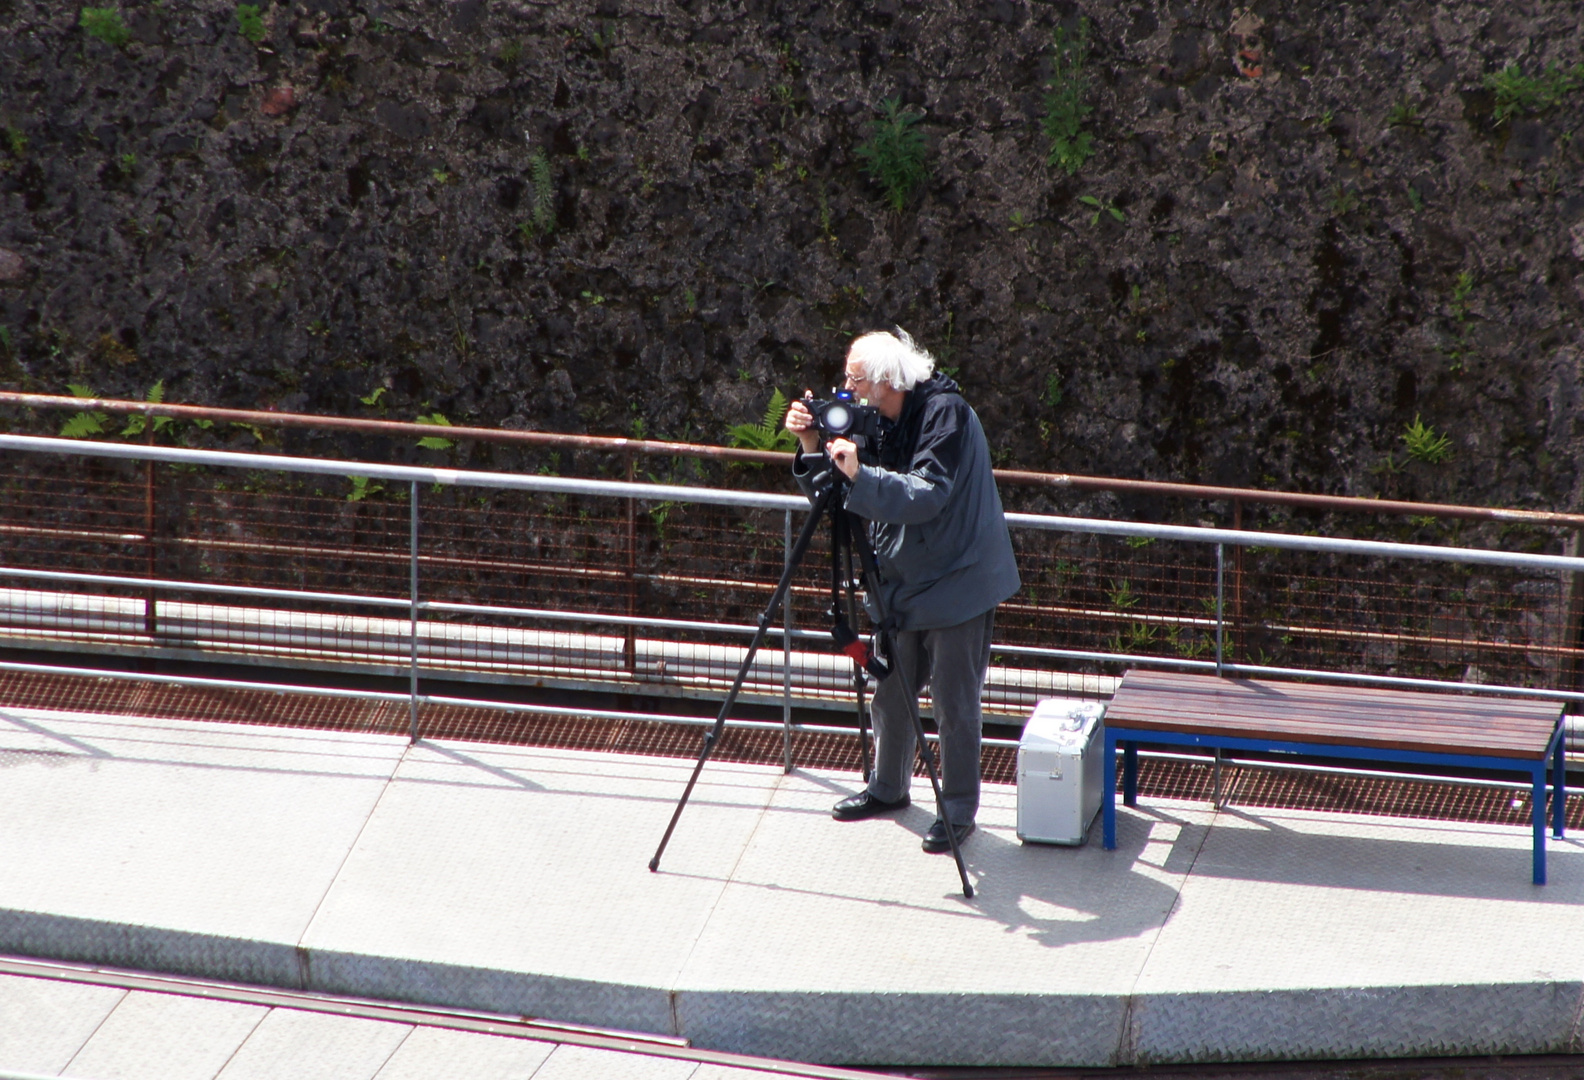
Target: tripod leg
940,803
842,571
765,618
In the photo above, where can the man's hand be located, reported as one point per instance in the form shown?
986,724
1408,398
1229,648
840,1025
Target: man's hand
844,452
800,422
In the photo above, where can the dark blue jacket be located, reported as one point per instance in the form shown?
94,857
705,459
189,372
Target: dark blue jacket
935,517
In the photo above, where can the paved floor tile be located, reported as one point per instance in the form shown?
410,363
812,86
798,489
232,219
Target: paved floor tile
537,861
210,828
166,1037
817,904
587,1063
1287,899
313,1046
43,1023
439,1054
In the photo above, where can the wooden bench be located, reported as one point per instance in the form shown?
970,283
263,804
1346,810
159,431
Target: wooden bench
1453,730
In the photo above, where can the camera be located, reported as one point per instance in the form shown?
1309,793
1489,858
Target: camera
842,417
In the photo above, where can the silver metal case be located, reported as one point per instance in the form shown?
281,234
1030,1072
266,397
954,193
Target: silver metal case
1059,772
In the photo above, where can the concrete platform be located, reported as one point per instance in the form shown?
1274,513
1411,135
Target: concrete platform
515,881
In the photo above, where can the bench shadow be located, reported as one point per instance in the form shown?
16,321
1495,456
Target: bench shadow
1485,862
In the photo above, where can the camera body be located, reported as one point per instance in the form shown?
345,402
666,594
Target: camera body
842,417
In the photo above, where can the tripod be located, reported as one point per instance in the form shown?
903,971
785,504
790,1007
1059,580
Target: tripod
845,537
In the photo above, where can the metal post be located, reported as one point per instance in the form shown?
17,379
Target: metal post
630,645
1220,605
1215,794
150,619
1570,670
1237,572
412,700
786,654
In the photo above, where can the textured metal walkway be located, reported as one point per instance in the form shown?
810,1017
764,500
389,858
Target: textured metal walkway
512,880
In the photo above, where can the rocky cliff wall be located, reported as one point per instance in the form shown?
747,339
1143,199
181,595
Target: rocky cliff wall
1303,226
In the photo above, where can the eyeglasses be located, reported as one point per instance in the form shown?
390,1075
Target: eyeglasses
853,380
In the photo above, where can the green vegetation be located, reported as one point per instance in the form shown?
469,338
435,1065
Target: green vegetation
138,423
542,195
894,153
1460,293
16,140
1404,114
1425,444
1101,206
1343,200
363,488
104,24
84,424
250,24
127,163
1516,92
1122,596
768,434
435,442
1051,396
1070,145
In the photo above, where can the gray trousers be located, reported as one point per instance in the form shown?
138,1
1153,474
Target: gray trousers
953,661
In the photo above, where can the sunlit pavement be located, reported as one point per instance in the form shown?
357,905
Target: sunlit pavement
515,881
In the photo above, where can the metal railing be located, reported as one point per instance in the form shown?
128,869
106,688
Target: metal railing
1076,624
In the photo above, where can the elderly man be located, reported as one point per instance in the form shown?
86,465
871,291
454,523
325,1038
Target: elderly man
945,560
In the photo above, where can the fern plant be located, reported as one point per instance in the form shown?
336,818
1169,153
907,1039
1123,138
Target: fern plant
541,198
84,424
138,423
768,434
893,154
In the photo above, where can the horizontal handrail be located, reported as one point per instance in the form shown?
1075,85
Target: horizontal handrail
767,501
655,447
554,485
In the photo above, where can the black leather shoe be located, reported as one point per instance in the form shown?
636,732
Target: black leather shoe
864,805
935,840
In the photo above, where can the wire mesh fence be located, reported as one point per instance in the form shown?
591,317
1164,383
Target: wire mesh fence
657,594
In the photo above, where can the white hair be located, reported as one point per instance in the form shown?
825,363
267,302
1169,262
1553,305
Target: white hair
891,358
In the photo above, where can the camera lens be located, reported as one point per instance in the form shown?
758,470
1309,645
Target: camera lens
837,419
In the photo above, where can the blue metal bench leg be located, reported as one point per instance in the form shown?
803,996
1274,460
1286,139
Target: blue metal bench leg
1130,773
1108,800
1538,798
1559,789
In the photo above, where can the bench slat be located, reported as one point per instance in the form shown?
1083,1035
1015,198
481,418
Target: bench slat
1320,714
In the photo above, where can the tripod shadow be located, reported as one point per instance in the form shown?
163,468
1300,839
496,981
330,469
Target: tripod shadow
1058,896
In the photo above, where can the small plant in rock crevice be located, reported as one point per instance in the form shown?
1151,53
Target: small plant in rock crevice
1516,92
1101,206
1426,444
250,24
1065,109
894,153
105,24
